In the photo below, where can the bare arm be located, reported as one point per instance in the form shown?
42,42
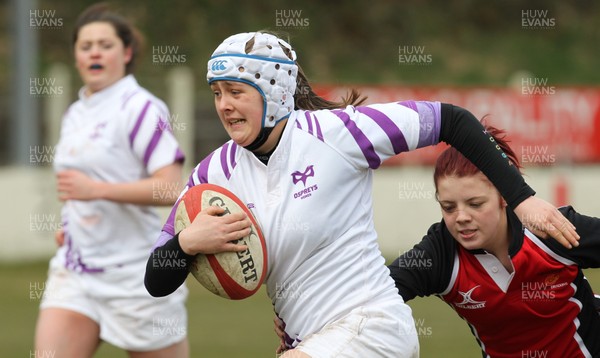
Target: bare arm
161,189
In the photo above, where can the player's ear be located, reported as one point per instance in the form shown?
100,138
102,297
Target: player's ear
503,203
128,54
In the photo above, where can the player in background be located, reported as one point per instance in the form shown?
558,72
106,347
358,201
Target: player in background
521,296
115,159
304,165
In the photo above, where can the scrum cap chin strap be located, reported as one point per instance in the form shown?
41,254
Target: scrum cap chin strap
260,140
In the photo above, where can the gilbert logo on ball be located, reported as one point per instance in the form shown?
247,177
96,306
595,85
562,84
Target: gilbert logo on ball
233,275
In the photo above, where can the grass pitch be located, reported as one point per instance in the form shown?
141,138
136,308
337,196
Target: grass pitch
218,327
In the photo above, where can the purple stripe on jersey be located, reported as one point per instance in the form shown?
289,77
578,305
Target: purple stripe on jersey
389,127
319,132
73,259
166,234
224,165
316,131
361,139
298,124
84,268
232,155
179,156
68,259
429,121
309,122
203,170
153,142
138,123
190,182
409,104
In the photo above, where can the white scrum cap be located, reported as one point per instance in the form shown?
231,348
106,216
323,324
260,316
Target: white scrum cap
268,65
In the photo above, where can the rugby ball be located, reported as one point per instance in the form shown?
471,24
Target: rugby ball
233,275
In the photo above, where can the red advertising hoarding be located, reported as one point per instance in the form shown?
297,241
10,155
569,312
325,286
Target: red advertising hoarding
546,125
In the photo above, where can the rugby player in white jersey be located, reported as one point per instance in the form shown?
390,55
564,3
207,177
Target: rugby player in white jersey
116,157
303,165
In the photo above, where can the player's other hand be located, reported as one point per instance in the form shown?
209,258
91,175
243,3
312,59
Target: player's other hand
59,237
544,220
279,331
211,233
73,184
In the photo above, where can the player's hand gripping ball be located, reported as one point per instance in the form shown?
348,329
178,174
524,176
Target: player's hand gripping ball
233,275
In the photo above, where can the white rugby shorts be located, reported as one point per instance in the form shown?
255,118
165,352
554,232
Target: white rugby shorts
117,300
383,329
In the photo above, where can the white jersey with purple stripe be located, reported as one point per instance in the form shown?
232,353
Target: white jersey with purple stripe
313,203
119,134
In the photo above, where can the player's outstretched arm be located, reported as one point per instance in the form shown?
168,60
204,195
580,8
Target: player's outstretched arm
463,131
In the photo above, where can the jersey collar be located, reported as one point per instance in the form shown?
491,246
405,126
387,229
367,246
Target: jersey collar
116,88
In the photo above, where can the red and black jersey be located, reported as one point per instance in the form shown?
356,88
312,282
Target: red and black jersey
544,308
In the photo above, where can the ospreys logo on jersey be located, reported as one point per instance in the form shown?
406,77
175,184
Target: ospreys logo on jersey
302,177
98,130
469,303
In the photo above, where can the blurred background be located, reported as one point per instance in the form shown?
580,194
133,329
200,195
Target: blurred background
531,67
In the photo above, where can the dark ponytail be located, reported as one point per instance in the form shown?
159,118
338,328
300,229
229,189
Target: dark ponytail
305,98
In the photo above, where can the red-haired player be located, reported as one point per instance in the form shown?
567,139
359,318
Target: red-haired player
521,296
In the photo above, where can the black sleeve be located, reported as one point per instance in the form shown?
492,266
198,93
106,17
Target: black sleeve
426,269
587,254
167,268
463,131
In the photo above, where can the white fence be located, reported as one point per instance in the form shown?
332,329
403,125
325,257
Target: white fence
404,205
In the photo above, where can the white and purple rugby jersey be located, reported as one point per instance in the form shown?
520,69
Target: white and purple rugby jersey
313,203
119,134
